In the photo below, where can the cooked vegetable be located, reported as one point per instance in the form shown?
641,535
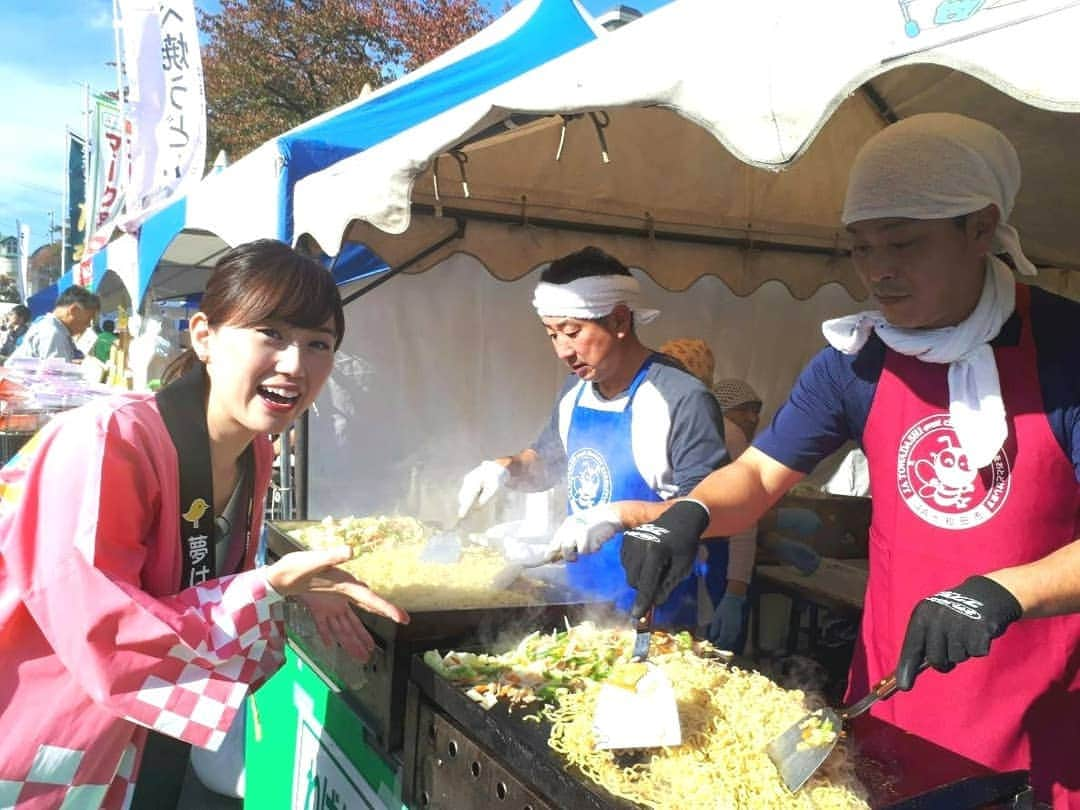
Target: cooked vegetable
388,558
728,716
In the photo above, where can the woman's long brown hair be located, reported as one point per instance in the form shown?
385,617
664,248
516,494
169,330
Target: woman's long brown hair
262,281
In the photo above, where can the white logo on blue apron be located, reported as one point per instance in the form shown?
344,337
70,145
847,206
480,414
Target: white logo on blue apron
588,479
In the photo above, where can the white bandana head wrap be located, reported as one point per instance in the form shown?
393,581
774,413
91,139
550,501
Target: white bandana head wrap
591,297
936,166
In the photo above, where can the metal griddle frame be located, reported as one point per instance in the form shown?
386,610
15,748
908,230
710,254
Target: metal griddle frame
922,775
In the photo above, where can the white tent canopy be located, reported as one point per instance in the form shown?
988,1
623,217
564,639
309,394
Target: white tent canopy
706,145
695,96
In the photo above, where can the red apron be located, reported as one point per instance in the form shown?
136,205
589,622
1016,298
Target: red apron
935,523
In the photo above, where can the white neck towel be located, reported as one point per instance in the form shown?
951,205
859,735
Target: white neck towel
975,403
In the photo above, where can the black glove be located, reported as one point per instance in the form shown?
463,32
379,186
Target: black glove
955,625
658,556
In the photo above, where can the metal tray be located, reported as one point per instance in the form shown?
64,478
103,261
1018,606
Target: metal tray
901,771
440,718
376,690
550,603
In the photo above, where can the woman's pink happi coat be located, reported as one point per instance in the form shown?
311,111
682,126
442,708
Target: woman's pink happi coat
96,643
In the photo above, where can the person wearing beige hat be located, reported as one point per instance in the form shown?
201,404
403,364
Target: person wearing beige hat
962,390
741,407
724,617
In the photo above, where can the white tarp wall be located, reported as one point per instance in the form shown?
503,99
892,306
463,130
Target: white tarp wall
449,366
443,369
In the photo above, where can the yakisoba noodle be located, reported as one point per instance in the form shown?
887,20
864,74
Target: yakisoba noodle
728,717
388,559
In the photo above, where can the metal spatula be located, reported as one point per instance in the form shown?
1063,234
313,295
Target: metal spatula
507,576
641,712
444,546
804,747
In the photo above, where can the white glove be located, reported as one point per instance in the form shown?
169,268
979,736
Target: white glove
480,485
585,531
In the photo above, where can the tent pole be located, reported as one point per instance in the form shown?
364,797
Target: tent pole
878,102
300,473
285,468
458,233
650,232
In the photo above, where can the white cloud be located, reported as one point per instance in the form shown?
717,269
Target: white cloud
100,18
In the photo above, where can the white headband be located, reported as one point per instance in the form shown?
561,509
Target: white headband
591,297
936,166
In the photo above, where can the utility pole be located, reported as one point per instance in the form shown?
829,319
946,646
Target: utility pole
53,228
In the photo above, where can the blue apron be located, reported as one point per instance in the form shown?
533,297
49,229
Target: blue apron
600,469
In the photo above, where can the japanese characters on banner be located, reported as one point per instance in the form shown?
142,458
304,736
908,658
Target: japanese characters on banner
105,197
75,211
166,105
105,167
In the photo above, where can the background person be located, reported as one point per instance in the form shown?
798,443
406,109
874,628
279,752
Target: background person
105,339
741,407
723,621
628,423
54,335
962,390
14,326
128,527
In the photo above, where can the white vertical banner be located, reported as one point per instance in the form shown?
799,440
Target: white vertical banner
106,159
166,102
23,274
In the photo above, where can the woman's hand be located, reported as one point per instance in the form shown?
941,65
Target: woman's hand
313,572
338,623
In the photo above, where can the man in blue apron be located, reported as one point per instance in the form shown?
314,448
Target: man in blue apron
629,424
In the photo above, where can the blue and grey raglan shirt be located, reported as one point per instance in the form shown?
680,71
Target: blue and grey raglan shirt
676,428
831,399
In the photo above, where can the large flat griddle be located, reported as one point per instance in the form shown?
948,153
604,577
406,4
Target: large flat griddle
548,603
517,744
376,690
901,771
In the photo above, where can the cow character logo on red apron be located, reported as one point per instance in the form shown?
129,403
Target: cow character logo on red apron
588,479
938,483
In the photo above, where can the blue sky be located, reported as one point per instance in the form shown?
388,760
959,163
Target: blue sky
52,47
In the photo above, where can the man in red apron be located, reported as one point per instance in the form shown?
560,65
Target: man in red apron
963,390
629,424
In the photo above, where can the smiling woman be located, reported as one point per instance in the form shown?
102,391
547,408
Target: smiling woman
134,605
269,323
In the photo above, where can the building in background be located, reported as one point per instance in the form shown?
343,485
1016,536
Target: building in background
9,255
44,268
618,16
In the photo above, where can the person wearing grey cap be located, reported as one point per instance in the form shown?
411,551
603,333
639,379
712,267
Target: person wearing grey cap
963,390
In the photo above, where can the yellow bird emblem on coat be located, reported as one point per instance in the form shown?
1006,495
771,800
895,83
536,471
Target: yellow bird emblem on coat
195,512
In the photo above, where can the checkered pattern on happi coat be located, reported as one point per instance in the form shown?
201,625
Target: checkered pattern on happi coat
50,782
197,692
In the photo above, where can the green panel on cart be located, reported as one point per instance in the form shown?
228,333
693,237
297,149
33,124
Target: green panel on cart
306,747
